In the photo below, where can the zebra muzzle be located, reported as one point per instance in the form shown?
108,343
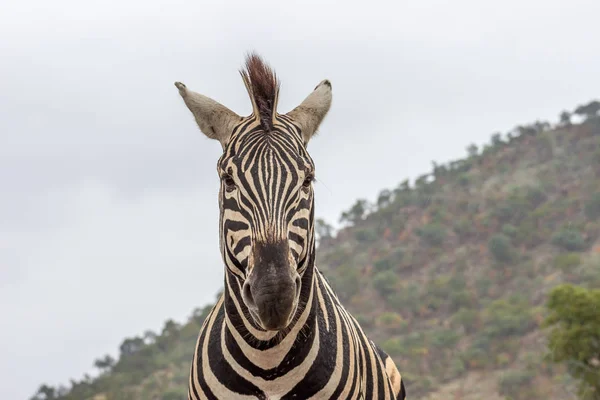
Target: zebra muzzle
273,301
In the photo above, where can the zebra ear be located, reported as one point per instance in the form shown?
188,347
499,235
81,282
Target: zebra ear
311,112
214,119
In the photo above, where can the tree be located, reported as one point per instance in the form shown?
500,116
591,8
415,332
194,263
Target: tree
149,337
199,314
404,186
497,139
385,282
439,170
104,364
384,198
171,328
131,346
527,130
592,207
500,247
575,335
565,118
589,110
45,392
356,213
472,150
541,126
569,239
323,230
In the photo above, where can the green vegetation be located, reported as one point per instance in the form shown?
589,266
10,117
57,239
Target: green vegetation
453,274
501,248
575,339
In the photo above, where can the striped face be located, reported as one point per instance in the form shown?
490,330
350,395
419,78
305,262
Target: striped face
266,195
266,203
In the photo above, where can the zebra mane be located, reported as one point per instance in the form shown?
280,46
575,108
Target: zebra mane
263,88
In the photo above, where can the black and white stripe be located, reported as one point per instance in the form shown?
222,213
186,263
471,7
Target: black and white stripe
267,225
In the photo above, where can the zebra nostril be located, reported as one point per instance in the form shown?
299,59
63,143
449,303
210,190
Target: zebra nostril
247,296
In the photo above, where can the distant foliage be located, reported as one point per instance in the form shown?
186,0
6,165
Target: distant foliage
346,282
507,317
565,118
501,248
592,206
589,110
510,230
390,262
568,239
467,318
366,235
517,385
567,261
432,234
356,213
323,230
385,282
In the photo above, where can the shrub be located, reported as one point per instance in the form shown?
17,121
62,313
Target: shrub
382,265
364,320
467,318
432,234
437,293
385,282
567,261
391,321
394,347
389,262
345,282
464,180
507,317
457,368
406,298
463,227
509,230
568,239
475,357
592,207
173,394
483,286
460,298
366,235
514,208
500,247
514,383
535,196
444,338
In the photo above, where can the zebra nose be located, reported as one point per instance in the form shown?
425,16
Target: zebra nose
272,301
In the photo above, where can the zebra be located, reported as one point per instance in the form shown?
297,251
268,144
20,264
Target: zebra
278,330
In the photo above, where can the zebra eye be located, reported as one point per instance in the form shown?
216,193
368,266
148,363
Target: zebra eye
229,182
308,181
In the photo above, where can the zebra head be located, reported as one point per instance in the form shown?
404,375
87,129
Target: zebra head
266,195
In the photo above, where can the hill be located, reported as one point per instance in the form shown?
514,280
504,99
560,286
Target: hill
449,274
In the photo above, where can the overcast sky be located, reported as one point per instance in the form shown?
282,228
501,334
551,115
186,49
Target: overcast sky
108,190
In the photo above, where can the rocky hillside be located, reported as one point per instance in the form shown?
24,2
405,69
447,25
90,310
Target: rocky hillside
450,273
